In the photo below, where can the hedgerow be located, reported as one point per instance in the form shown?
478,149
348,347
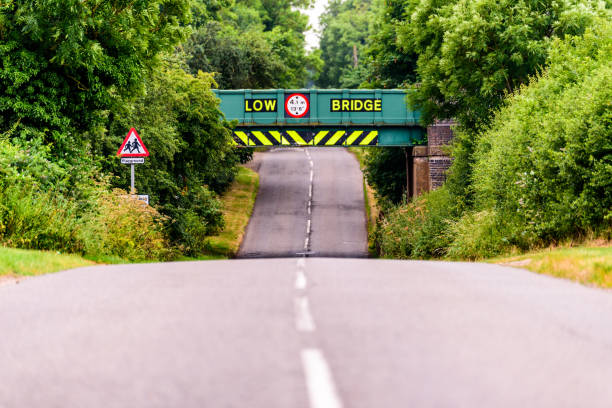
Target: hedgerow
542,169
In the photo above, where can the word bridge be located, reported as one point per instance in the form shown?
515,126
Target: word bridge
321,117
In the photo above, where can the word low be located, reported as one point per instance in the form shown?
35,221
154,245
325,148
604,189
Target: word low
260,105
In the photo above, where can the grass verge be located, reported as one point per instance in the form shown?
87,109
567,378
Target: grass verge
369,197
590,264
238,204
23,262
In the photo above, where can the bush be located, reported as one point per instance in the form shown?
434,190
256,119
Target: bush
545,165
417,229
114,226
125,227
194,216
385,170
34,220
477,235
45,206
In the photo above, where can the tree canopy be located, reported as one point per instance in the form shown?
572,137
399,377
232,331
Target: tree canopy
64,63
76,75
345,28
254,44
471,54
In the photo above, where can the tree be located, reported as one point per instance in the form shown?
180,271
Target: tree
471,54
253,44
238,60
389,66
192,158
345,29
66,63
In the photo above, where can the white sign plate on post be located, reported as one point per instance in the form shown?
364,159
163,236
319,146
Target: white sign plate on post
139,197
132,160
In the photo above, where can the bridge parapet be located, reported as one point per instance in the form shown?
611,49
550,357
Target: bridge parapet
321,117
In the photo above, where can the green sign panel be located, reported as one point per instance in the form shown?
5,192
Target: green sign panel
321,117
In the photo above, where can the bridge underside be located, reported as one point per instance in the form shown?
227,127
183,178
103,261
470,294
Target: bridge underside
329,136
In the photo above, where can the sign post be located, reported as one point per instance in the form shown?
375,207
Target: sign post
132,180
132,152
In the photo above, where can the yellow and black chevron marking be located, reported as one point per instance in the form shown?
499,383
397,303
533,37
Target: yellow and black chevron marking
306,138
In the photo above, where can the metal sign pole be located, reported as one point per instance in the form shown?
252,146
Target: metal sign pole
132,189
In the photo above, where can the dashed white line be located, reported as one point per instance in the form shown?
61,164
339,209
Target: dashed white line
310,192
319,381
308,227
306,241
303,319
311,175
300,280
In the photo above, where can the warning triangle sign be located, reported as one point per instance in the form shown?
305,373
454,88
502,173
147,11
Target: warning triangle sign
132,146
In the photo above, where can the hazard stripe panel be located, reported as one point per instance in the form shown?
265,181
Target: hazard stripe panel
305,138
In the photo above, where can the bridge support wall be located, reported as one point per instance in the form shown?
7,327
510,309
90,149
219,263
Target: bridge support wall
426,166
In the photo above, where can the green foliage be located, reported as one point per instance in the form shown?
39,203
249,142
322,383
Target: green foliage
65,62
545,165
195,215
238,61
178,120
76,75
389,66
38,211
124,227
418,229
542,169
385,170
472,53
253,44
345,24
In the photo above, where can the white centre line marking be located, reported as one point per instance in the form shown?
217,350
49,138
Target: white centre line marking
319,381
303,318
300,280
311,175
306,242
308,227
310,192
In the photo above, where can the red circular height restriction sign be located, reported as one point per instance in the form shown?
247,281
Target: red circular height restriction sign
297,105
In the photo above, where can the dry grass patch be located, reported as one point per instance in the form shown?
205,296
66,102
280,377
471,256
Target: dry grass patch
238,204
590,264
372,210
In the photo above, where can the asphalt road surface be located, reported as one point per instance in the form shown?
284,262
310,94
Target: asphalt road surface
304,333
309,201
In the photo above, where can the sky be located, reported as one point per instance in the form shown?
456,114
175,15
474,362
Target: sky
312,35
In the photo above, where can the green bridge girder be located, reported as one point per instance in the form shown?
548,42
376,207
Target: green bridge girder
321,117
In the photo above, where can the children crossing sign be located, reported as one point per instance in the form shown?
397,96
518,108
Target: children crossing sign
132,151
132,146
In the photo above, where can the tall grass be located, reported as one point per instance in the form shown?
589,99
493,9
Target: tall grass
111,225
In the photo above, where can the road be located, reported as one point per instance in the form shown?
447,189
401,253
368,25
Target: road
302,329
309,201
304,333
